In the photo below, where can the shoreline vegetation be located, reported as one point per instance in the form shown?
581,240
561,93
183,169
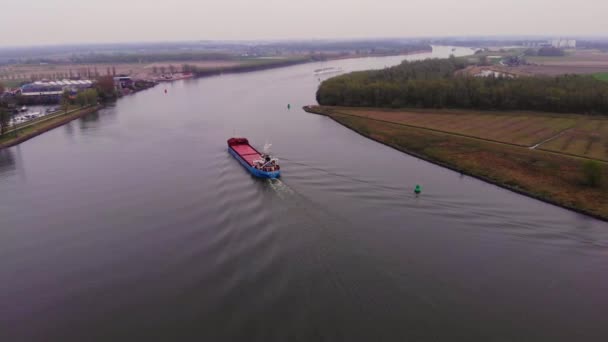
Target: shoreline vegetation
438,83
16,136
245,67
156,63
270,63
537,170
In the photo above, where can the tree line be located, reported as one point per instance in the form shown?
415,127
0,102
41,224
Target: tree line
251,65
434,83
593,44
5,116
132,58
549,51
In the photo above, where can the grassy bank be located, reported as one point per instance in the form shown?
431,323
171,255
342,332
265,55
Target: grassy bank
250,65
27,131
571,134
602,76
553,177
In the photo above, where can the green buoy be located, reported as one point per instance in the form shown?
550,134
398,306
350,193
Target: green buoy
288,106
417,189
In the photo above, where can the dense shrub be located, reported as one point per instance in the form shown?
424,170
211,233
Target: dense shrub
593,171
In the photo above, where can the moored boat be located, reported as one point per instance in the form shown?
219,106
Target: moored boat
174,77
261,165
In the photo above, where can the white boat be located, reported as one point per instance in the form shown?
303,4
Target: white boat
33,115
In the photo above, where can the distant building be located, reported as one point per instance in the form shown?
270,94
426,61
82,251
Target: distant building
534,44
563,43
123,81
54,88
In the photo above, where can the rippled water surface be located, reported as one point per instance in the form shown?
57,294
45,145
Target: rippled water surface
134,223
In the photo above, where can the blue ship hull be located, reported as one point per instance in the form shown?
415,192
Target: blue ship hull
253,170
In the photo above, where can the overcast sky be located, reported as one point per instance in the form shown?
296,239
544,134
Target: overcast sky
32,22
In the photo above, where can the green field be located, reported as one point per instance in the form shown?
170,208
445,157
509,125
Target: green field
602,76
580,135
496,147
589,138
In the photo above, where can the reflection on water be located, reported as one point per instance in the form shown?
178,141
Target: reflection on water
69,128
7,161
89,121
91,117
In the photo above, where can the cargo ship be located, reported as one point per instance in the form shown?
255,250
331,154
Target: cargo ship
261,165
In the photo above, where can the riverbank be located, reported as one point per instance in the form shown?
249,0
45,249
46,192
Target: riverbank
546,175
28,131
279,63
163,70
255,65
379,54
272,63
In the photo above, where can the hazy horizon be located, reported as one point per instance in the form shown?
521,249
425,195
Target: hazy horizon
58,22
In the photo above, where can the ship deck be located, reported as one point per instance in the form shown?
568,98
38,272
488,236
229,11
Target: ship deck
248,153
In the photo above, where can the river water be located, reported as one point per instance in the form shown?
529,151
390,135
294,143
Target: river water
134,223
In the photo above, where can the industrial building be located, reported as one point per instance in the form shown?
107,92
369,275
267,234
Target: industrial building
556,43
54,88
563,43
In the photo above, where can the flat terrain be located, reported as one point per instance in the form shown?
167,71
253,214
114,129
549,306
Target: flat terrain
588,138
602,76
580,135
496,147
576,62
24,72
